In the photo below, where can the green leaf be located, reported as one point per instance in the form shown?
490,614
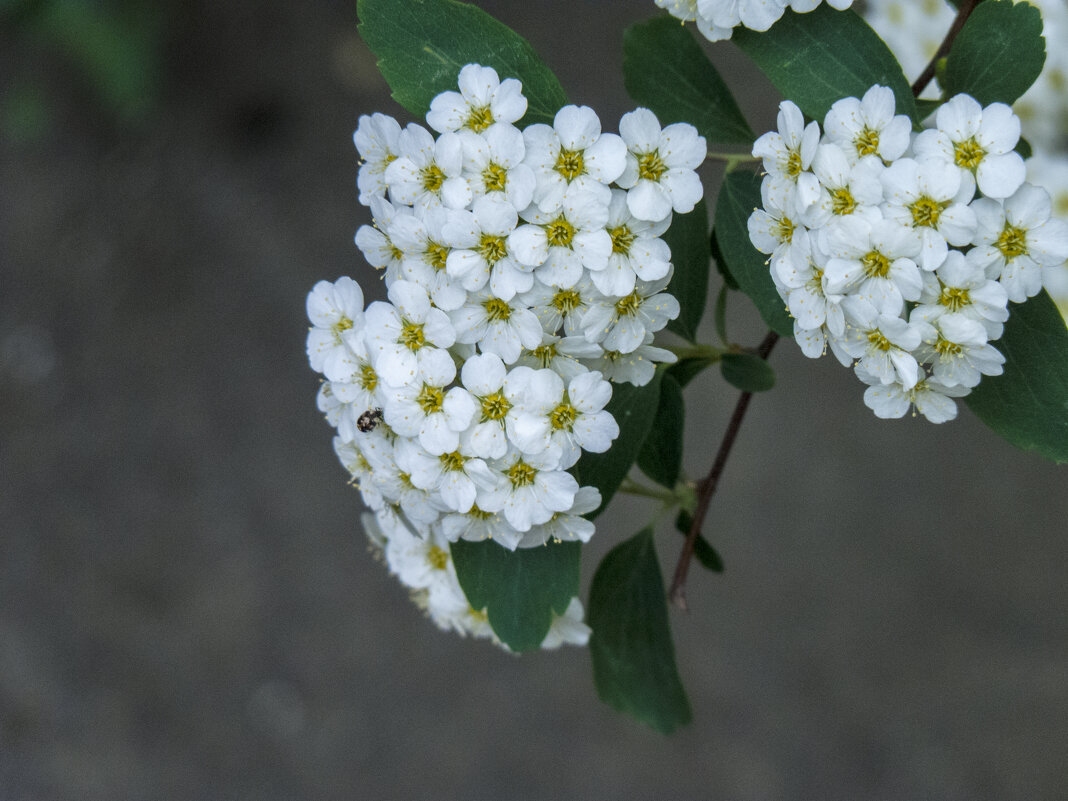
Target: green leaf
1023,147
720,262
822,56
998,53
721,314
632,407
421,46
925,108
688,239
747,371
707,555
633,656
684,370
665,70
520,590
739,195
661,455
1028,403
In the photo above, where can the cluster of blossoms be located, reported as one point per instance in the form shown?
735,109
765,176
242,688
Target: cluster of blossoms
914,30
717,19
899,250
524,272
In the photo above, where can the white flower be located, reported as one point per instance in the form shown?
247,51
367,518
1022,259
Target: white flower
874,261
567,628
493,165
400,335
497,394
534,488
637,250
620,324
957,349
353,380
483,100
569,526
424,409
561,243
979,141
497,326
961,287
572,419
375,244
418,562
360,469
428,172
869,127
776,229
788,155
391,473
809,302
457,477
482,253
931,399
845,188
929,196
557,307
659,173
573,152
1015,240
637,367
336,312
881,343
420,236
757,15
376,141
561,355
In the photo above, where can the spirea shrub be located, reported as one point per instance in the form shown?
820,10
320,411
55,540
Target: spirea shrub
495,391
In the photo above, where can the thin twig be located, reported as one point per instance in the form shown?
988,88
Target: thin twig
965,10
707,488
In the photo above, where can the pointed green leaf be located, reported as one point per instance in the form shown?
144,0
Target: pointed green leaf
421,46
688,239
665,70
520,590
685,370
1028,403
738,197
633,408
819,57
998,53
747,371
633,656
661,455
707,556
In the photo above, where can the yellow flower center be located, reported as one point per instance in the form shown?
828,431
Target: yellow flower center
492,248
494,178
926,211
651,166
842,201
867,142
544,354
622,239
479,119
946,348
877,340
560,232
876,265
438,558
497,309
432,177
452,462
495,407
570,164
794,166
521,474
368,378
968,153
412,336
954,299
784,232
629,305
430,399
1012,242
566,301
436,255
562,418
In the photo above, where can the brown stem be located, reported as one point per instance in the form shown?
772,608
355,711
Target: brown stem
707,488
965,10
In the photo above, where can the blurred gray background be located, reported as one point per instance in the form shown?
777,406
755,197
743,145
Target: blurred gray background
187,606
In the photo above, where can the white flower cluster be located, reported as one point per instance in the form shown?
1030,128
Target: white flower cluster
524,272
717,19
913,30
902,250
